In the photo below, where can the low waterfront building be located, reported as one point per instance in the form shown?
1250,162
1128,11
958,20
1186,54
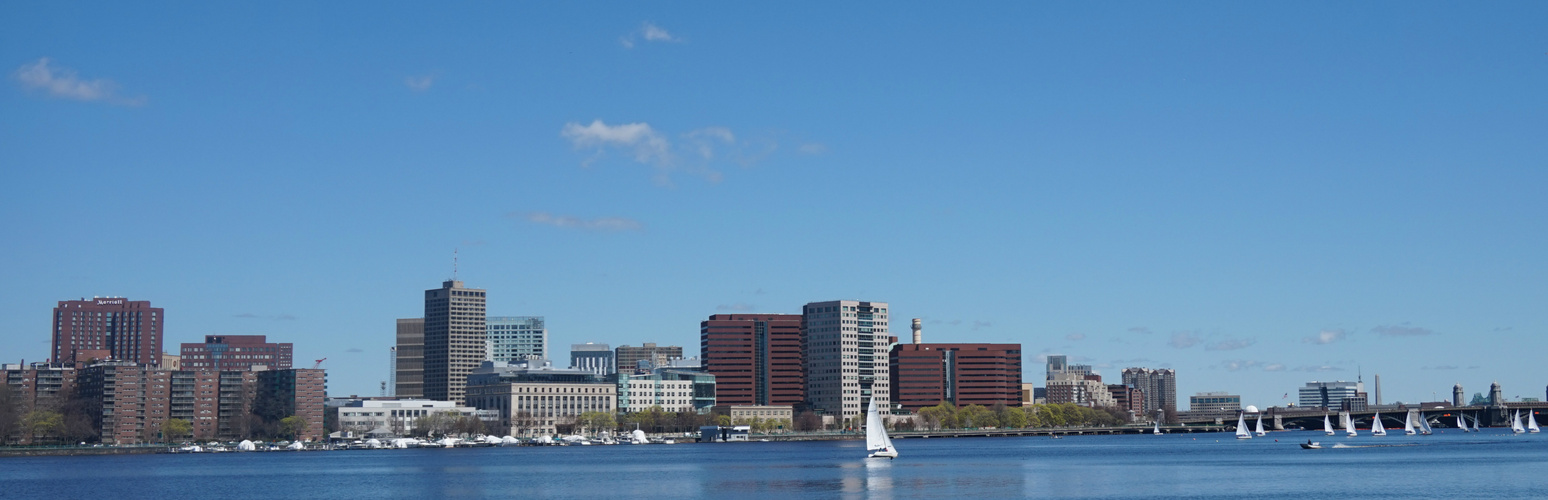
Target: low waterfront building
744,413
373,417
533,398
724,434
672,390
1215,401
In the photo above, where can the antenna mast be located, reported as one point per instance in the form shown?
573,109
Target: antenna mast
454,264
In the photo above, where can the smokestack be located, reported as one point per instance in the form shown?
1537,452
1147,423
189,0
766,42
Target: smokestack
1378,389
918,339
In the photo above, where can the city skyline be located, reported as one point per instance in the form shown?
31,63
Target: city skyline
1254,196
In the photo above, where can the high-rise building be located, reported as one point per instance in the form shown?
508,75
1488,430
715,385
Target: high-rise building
1127,398
924,375
236,352
628,358
516,338
1331,395
1058,364
409,370
107,328
130,402
846,356
594,358
454,339
1083,390
1159,386
756,358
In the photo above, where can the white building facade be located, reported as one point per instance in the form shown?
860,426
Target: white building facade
846,355
392,417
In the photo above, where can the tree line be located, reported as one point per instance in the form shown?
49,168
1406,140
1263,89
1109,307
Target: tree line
948,416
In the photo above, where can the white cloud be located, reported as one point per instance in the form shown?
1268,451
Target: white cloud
1317,369
1325,337
1274,367
648,32
419,83
602,224
697,152
63,82
1184,340
1240,364
1230,345
647,145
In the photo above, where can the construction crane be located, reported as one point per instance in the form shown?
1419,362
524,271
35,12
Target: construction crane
318,364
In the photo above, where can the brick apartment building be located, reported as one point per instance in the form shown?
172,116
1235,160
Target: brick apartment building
756,358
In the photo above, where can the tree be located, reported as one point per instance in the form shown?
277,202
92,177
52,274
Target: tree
40,423
975,416
1012,417
292,426
807,421
175,429
594,421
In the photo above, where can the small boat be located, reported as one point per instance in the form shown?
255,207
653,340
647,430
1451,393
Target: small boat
1376,428
1327,425
1532,422
1158,428
1424,425
1241,427
1349,428
1461,424
1408,425
1515,423
1309,445
1259,429
1054,436
1475,424
876,440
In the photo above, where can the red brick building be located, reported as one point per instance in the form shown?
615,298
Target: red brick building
924,375
132,402
756,358
127,330
236,352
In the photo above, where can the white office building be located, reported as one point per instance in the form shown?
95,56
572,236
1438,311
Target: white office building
516,338
393,418
846,356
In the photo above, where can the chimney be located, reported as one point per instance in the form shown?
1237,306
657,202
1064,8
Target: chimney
917,337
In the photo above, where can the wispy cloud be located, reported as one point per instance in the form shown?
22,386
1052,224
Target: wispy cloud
644,142
1402,330
812,148
1317,368
739,306
65,83
1240,364
419,83
648,32
1140,330
1325,337
601,224
1230,345
977,325
1274,367
1184,340
1075,336
697,153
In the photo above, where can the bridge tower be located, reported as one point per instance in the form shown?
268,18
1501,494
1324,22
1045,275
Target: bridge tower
1456,394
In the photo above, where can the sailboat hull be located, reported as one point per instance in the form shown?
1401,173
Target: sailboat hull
883,454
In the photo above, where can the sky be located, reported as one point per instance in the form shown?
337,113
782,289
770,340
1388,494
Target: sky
1255,195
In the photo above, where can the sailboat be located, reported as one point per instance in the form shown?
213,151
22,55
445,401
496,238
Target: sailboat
1408,425
1515,423
876,440
1158,428
1475,424
1461,424
1241,427
1259,429
1376,428
1349,428
1424,425
1327,425
1532,422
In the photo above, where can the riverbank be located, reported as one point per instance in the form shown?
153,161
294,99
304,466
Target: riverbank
65,451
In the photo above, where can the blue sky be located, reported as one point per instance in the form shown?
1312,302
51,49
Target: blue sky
1254,195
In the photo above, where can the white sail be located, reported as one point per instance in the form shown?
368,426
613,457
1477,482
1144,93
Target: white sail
1376,428
1461,424
1515,423
1424,424
1158,428
876,440
1349,428
1408,425
1259,429
1532,422
1327,425
1241,427
1475,424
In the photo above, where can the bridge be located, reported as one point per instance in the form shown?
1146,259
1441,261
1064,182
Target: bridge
1441,416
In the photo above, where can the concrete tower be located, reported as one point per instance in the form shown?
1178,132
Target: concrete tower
1456,395
1496,395
918,339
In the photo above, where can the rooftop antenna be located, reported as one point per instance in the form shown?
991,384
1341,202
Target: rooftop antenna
454,264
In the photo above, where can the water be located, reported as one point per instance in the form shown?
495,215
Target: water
1493,464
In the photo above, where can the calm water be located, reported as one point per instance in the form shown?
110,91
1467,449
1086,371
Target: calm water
1488,465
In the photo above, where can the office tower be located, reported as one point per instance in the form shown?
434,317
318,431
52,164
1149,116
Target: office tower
236,352
409,378
924,375
107,328
454,339
756,358
1159,386
846,356
1330,395
595,358
628,358
516,338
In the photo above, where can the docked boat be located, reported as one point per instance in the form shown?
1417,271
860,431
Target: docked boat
876,440
1241,427
1376,428
1327,425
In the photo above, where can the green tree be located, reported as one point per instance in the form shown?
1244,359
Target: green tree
975,416
44,424
723,420
292,426
594,421
1013,417
176,429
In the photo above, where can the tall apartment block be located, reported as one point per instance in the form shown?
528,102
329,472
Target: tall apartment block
107,328
131,402
516,338
925,375
409,369
1159,386
594,358
236,352
628,358
756,358
846,356
454,340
